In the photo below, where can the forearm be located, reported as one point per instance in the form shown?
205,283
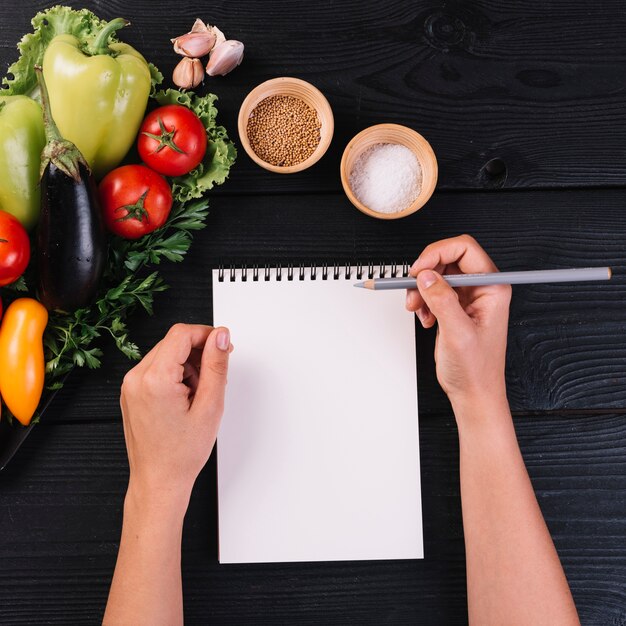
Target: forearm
146,586
514,575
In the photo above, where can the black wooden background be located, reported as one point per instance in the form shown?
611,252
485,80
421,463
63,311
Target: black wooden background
525,106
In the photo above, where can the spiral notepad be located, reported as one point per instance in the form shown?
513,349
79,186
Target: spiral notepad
318,451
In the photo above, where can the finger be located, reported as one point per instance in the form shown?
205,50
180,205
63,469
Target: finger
451,269
464,251
419,265
150,356
413,299
426,318
466,294
195,357
415,302
191,376
443,302
209,398
175,348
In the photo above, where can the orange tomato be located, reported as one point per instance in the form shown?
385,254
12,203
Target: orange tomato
22,365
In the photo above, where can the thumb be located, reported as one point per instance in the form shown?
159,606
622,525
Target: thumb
442,301
211,388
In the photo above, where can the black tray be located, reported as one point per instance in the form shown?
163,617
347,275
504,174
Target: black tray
13,436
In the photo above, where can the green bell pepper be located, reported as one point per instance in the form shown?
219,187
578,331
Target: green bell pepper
98,94
22,139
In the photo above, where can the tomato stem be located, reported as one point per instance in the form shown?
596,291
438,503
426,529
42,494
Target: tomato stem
135,211
165,139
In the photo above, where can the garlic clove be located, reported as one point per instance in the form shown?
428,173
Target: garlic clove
225,57
200,27
188,73
219,35
196,43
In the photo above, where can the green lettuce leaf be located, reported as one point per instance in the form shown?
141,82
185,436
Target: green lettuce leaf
58,20
220,154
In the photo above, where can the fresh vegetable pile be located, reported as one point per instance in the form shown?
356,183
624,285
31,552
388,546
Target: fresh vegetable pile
81,221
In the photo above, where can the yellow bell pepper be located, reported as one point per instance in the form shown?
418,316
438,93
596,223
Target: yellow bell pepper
98,94
22,365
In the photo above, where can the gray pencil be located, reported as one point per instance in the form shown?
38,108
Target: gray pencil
573,275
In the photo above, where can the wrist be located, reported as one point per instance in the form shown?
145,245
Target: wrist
481,411
162,501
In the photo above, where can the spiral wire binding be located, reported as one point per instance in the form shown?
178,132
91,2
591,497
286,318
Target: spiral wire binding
334,271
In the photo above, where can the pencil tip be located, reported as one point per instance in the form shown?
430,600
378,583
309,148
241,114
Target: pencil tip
362,285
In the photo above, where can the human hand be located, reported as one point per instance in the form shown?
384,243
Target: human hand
470,348
172,403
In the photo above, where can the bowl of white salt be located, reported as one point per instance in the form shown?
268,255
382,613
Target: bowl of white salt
388,171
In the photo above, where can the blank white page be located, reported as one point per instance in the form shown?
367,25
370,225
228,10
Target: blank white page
318,451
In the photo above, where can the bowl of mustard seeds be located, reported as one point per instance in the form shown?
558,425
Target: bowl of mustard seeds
285,125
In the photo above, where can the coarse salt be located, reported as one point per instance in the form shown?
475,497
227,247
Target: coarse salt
386,178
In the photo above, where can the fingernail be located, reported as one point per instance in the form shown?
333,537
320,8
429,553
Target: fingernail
223,339
422,315
426,279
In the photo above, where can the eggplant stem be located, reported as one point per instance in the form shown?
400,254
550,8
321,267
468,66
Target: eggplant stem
58,151
50,127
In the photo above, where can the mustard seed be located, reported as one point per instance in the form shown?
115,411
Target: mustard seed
283,130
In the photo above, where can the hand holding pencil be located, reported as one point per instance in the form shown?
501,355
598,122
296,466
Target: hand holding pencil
472,321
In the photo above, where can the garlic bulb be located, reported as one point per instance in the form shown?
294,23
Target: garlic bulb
224,54
188,73
225,57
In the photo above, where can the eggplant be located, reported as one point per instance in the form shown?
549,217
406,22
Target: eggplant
71,239
71,242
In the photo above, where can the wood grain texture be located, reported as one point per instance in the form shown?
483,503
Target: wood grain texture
567,343
512,95
60,514
537,86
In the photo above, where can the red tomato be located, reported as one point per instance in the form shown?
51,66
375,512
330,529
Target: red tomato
172,140
135,201
14,249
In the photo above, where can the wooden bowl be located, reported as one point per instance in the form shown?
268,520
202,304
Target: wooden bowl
286,86
396,134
